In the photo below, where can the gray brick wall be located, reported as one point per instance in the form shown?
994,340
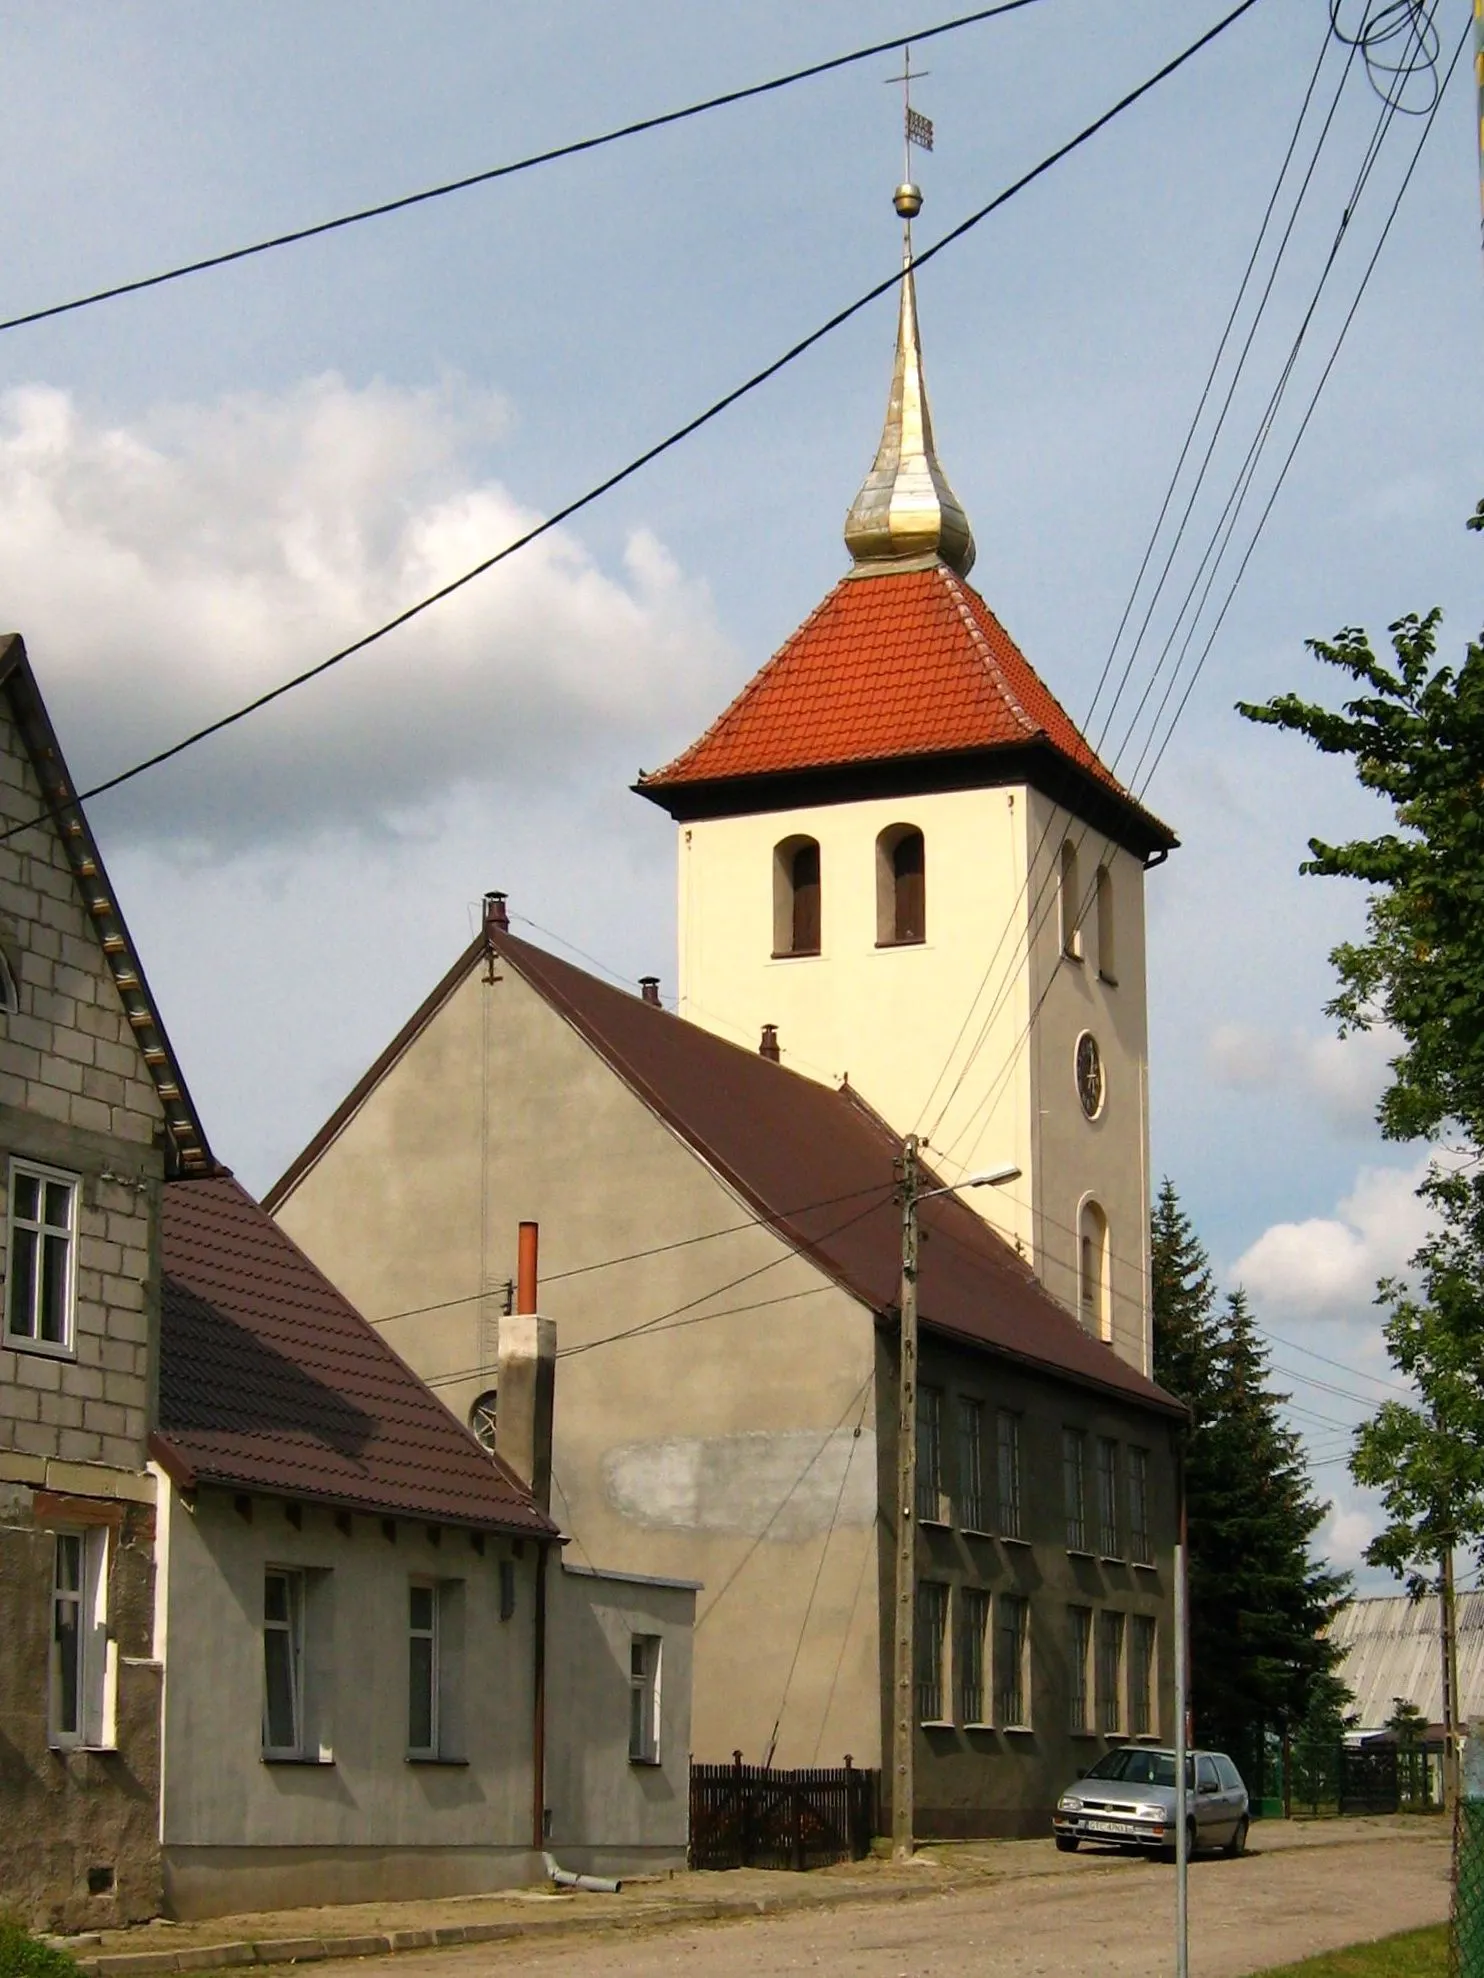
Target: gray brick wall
75,1094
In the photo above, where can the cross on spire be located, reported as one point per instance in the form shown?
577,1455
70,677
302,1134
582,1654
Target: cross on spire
917,129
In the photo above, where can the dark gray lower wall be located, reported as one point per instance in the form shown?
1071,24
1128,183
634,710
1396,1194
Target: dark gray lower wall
222,1881
79,1830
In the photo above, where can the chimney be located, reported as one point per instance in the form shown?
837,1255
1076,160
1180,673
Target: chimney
526,1380
496,918
649,989
769,1047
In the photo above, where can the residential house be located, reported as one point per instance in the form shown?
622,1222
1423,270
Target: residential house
380,1679
94,1118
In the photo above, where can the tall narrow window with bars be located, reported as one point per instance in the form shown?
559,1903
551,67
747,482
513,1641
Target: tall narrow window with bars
1007,1473
973,1654
1108,1536
1079,1659
972,1511
930,1501
1074,1487
1141,1677
1012,1656
1140,1544
1110,1672
932,1631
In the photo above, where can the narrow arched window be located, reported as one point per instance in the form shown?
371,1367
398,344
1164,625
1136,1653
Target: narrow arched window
1094,1302
796,897
1107,940
901,887
1071,909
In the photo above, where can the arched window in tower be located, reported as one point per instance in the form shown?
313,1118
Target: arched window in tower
1094,1300
1070,903
1107,940
901,887
796,897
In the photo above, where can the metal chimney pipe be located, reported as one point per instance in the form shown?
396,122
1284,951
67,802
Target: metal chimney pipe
768,1048
649,989
525,1269
496,914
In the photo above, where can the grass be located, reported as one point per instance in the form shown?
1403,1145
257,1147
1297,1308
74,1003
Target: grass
23,1956
1413,1954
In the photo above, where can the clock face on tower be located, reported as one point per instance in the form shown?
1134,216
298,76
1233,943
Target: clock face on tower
1090,1086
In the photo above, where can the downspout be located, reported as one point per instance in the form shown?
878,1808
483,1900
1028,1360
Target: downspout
538,1736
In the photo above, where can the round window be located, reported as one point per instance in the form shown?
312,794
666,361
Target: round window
1091,1086
482,1420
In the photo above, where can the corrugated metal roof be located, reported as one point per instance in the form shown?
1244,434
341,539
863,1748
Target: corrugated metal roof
1392,1649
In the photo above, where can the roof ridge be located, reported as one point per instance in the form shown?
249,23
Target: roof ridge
956,589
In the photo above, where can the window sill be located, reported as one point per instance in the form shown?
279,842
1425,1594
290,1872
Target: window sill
78,1747
1145,1566
796,954
934,1524
1112,1559
432,1758
1019,1730
651,1763
978,1724
1110,980
936,1724
298,1758
1081,1552
49,1349
910,941
978,1531
1013,1538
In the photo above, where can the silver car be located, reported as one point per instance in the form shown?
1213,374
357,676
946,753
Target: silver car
1128,1800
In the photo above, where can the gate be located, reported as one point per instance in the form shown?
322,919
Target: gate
750,1816
1369,1781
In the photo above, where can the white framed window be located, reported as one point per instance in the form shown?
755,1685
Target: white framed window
283,1664
81,1665
422,1670
41,1258
644,1699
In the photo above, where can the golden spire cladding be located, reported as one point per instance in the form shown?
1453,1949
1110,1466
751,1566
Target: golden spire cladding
906,507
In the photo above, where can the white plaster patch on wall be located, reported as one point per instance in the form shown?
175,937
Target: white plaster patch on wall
785,1484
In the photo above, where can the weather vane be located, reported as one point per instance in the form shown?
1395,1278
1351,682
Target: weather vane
917,129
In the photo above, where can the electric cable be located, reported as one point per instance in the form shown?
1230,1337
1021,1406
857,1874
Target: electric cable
548,157
1383,22
814,1585
64,799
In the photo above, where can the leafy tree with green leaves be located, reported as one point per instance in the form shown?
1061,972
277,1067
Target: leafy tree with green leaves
1415,735
1258,1601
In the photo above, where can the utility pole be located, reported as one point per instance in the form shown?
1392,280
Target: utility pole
904,1665
1182,1739
1448,1630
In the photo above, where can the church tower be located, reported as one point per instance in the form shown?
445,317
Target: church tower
901,860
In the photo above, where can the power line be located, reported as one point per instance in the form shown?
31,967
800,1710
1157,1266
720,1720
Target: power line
63,798
548,157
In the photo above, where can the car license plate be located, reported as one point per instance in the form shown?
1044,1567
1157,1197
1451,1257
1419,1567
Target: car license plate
1112,1827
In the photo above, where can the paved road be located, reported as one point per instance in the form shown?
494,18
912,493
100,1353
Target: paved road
1106,1918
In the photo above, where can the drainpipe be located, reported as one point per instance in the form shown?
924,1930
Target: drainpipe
538,1737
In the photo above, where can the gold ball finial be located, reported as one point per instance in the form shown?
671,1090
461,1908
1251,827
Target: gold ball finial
908,200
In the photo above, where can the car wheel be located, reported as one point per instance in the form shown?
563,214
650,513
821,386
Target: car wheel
1066,1843
1238,1842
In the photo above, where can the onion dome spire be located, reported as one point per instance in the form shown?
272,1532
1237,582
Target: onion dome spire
905,506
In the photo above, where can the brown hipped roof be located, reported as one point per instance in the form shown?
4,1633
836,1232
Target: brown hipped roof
271,1381
893,668
783,1141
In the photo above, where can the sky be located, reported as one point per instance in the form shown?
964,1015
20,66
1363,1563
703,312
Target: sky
207,487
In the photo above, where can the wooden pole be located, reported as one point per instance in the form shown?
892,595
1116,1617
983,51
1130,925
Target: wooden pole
904,1670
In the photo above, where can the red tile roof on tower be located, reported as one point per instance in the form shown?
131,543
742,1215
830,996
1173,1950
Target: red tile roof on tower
897,665
271,1381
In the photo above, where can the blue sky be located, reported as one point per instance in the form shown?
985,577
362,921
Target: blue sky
206,487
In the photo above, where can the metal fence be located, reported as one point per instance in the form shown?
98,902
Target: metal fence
1319,1780
750,1816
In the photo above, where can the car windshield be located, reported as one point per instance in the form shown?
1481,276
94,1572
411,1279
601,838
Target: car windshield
1134,1767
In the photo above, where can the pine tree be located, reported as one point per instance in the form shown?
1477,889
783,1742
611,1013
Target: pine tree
1257,1600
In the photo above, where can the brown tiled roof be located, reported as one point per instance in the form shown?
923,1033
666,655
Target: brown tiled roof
784,1141
271,1381
907,664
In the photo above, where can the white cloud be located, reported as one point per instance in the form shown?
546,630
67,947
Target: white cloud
1345,1534
1327,1266
165,572
1342,1077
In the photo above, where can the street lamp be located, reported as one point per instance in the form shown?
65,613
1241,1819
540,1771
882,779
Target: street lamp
904,1724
